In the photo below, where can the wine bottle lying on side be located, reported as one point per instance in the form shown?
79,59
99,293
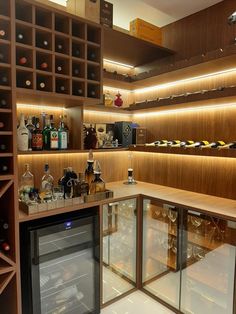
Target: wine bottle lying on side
227,146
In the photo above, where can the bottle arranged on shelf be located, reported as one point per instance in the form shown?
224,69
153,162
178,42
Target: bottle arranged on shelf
62,135
92,56
3,103
67,129
89,175
2,33
31,129
26,184
59,48
91,92
216,144
91,75
3,58
42,43
3,226
22,135
78,91
76,52
186,143
3,169
37,136
4,245
46,185
2,125
174,143
227,146
20,37
22,61
76,72
43,66
41,84
69,183
46,130
53,135
82,187
4,80
97,184
3,147
60,88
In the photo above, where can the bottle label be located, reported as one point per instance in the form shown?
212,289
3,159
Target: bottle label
23,141
63,140
37,141
54,139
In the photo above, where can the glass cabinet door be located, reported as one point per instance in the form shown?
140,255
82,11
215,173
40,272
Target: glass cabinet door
161,248
119,248
207,284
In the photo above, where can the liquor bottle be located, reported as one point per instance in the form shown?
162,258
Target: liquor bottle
97,184
2,33
91,92
60,88
162,143
46,185
186,143
3,147
54,141
3,169
69,183
67,129
89,175
198,144
22,61
174,143
46,130
37,136
82,188
227,146
22,135
76,71
20,37
3,103
43,66
26,184
4,80
4,245
62,135
31,129
1,125
216,144
75,52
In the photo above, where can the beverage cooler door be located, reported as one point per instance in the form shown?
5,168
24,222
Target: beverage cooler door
64,266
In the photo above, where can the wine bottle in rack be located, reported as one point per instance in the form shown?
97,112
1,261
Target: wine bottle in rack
4,246
22,60
22,135
43,66
2,33
2,125
91,75
30,128
59,48
76,52
91,92
76,72
92,56
3,226
62,135
59,68
37,136
42,43
20,37
78,91
3,103
3,147
3,169
2,57
4,80
60,88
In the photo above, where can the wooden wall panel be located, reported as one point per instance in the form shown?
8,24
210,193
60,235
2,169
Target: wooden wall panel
203,31
208,175
199,124
114,165
91,116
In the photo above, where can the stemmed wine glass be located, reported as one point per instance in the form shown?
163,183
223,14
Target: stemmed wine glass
172,215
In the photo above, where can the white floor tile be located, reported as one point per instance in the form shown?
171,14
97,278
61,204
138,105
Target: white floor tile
136,303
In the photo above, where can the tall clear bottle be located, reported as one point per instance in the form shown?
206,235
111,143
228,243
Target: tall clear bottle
22,135
89,169
46,192
26,184
62,135
31,129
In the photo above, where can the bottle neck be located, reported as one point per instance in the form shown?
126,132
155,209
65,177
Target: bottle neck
22,121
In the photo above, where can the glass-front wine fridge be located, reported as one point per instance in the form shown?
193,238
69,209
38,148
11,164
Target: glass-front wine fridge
60,264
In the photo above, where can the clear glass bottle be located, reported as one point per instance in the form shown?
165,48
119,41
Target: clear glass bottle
37,137
82,187
26,184
53,135
97,184
46,185
31,129
89,169
22,135
62,135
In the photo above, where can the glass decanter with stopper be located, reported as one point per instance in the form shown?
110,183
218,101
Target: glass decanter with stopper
46,192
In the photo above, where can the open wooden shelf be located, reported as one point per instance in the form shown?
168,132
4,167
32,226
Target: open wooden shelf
4,186
127,49
71,151
226,153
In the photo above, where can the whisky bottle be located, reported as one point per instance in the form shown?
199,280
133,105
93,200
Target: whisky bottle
89,176
26,184
82,188
53,135
97,184
37,137
62,135
22,135
46,185
30,128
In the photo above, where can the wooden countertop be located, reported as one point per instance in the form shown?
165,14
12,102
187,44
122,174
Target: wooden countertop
217,206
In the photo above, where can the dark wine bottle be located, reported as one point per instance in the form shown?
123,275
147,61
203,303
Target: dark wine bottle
43,66
3,169
20,37
76,52
3,226
2,57
27,83
60,88
78,91
92,56
3,80
59,48
4,246
76,72
91,75
42,43
1,125
59,68
3,147
92,93
2,33
23,60
3,103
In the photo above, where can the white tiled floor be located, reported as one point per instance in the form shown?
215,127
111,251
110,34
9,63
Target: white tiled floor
136,303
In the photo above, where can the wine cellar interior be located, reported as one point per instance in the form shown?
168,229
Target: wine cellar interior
117,162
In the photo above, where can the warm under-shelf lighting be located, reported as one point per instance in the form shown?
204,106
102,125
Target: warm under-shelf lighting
129,66
41,107
172,111
178,82
113,89
109,113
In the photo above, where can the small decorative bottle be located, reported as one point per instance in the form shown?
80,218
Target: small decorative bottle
118,102
97,185
26,184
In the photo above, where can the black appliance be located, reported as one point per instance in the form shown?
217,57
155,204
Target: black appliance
60,264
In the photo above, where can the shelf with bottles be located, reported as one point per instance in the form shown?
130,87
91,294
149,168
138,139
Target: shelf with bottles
43,61
78,30
62,66
5,55
24,34
43,39
24,79
44,82
24,57
5,30
211,152
62,44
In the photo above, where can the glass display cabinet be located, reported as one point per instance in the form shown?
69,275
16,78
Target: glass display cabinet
119,248
188,259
